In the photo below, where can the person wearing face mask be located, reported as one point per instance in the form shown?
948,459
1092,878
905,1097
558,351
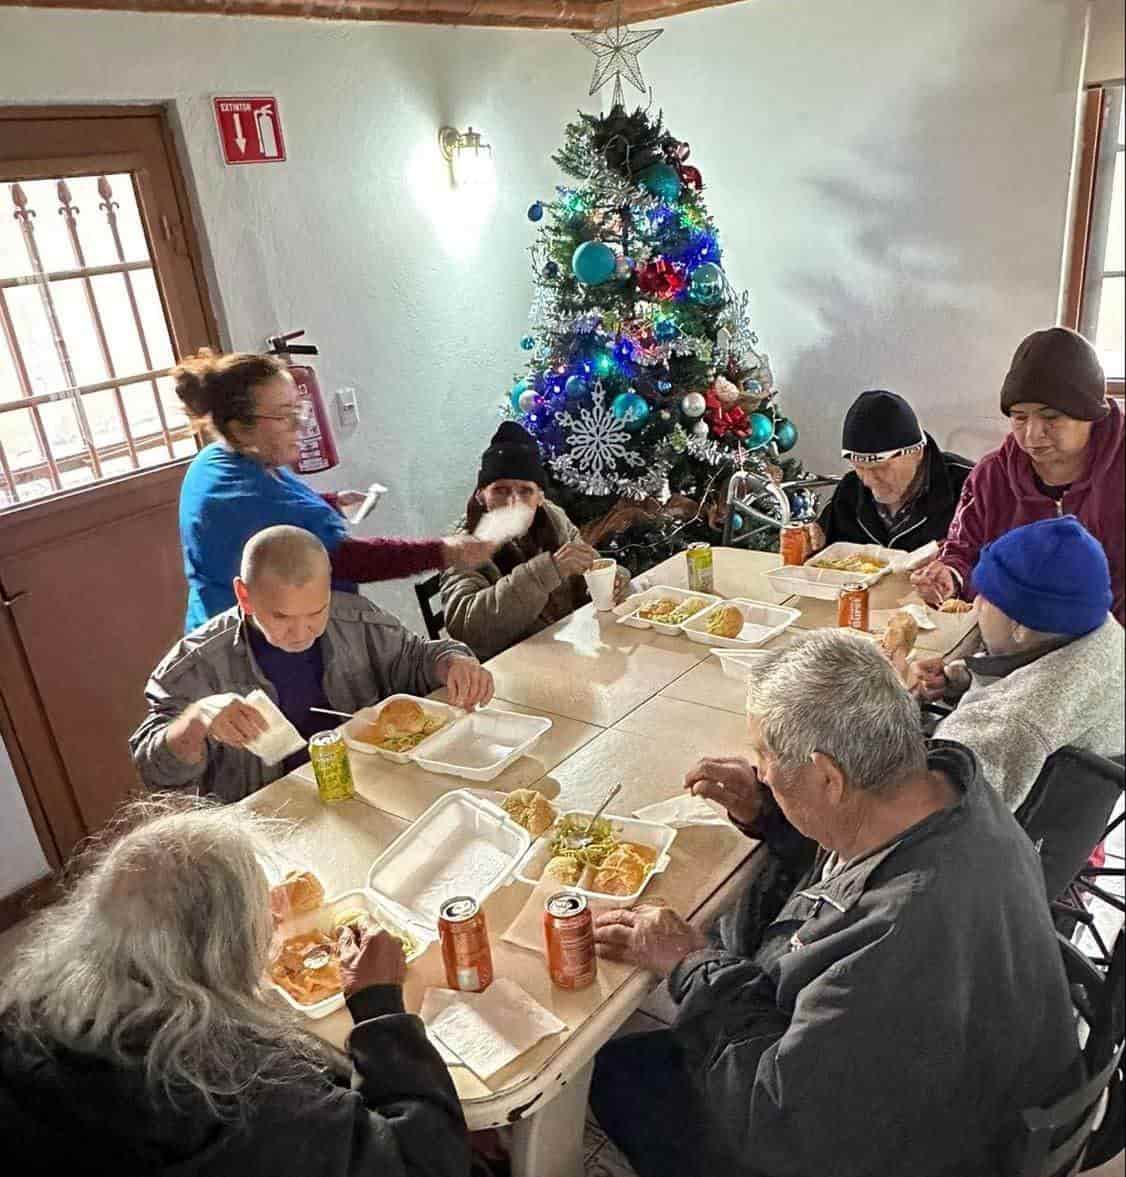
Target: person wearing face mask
306,646
1063,456
241,483
1053,670
531,581
902,489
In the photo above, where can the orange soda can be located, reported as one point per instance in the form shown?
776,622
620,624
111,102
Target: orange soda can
794,544
852,607
568,932
465,945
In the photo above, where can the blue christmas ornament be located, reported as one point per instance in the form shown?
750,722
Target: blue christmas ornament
706,283
661,180
664,386
752,387
518,390
527,343
575,386
594,263
760,429
535,211
665,330
737,521
631,409
785,434
551,269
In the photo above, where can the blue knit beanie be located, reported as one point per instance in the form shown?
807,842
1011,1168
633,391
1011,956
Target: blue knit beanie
1051,576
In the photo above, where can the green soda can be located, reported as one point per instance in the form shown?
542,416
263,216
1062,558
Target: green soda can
331,767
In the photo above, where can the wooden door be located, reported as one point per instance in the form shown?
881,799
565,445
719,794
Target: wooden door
101,290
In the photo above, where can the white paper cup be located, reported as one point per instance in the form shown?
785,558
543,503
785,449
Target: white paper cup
600,584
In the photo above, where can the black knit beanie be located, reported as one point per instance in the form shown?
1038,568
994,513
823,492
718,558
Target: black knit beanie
879,424
1060,369
511,454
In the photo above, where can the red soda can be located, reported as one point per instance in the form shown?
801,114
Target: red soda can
465,945
852,607
794,543
568,932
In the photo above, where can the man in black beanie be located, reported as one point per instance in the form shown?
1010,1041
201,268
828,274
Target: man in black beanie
902,489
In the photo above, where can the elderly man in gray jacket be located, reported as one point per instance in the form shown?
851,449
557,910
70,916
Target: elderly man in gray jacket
888,996
304,645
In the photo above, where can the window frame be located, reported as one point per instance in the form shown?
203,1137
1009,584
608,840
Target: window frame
175,248
1098,147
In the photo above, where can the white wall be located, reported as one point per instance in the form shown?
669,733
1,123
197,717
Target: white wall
889,176
890,182
21,859
1105,49
417,295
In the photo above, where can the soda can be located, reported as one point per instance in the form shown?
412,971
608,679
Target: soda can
466,954
331,767
701,577
794,543
568,932
852,607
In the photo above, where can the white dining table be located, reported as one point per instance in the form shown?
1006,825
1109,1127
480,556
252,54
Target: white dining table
628,707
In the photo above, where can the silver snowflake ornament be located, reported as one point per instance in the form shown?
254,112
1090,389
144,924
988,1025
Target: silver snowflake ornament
597,442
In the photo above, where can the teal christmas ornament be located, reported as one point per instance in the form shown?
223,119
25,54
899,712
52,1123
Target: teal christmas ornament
518,390
576,386
535,211
527,343
661,180
631,409
785,434
706,283
594,263
665,330
760,429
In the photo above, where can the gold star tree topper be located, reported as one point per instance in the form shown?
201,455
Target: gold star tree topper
616,51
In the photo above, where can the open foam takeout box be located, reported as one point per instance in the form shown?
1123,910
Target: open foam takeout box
657,593
825,584
761,624
477,745
626,829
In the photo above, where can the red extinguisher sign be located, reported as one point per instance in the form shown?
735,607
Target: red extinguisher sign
315,443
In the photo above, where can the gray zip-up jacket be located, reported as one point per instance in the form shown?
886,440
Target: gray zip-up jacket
1021,708
892,1019
368,655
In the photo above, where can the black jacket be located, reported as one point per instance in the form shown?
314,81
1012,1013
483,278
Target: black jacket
851,516
70,1113
891,1020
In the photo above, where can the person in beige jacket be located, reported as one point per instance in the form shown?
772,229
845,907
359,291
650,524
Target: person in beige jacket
531,581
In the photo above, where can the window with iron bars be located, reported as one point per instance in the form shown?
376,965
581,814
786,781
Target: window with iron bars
85,344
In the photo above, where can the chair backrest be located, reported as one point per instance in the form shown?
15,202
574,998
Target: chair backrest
1054,1141
434,619
1067,811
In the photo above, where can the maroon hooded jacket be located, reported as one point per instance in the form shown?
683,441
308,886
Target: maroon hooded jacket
1001,494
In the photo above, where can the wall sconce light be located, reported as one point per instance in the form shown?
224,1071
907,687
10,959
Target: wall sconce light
470,160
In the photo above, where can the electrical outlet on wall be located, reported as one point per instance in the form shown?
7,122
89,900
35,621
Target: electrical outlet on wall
347,408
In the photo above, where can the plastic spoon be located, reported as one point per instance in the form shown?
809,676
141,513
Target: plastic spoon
329,711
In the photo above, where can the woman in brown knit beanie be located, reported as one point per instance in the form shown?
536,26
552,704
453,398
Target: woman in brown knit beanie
1063,456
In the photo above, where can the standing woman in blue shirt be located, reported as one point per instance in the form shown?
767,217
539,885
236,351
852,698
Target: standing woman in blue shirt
241,483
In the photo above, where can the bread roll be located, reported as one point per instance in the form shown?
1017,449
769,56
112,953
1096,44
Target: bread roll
622,872
954,605
564,870
726,622
530,809
400,717
899,637
297,893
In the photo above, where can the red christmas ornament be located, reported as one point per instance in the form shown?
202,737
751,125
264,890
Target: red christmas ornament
691,176
723,420
661,279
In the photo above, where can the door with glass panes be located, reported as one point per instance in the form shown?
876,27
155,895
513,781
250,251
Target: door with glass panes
101,291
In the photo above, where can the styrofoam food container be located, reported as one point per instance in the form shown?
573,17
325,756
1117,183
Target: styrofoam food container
461,845
627,829
738,664
656,593
322,919
480,746
761,622
432,707
825,584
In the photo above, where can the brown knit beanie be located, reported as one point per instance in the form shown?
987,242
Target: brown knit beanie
1060,369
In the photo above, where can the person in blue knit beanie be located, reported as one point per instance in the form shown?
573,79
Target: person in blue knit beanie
1053,669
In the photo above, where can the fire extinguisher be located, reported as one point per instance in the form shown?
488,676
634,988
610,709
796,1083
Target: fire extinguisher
315,442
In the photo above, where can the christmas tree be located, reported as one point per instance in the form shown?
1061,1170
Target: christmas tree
645,386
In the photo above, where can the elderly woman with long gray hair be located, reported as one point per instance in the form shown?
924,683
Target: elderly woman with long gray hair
134,1037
